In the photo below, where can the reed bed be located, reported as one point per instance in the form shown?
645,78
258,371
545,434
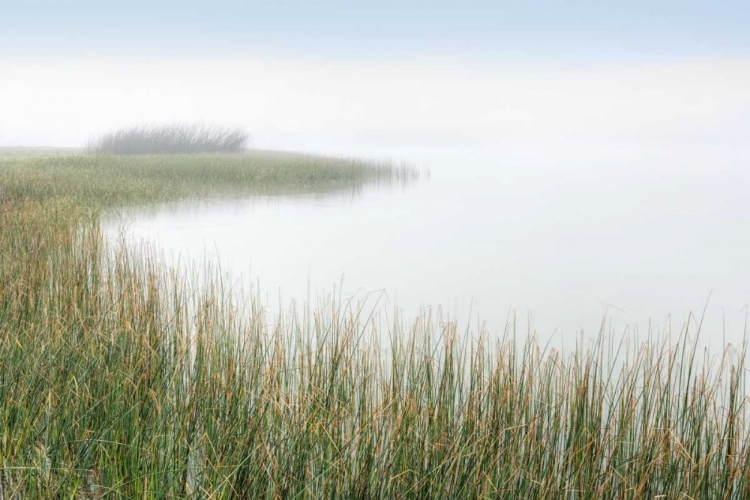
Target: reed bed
176,138
113,181
120,380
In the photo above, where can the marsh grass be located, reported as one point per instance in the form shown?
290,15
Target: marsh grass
119,380
176,138
113,181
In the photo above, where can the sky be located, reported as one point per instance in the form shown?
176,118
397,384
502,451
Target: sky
313,75
658,27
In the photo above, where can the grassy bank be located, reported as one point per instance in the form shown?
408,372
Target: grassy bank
119,381
108,181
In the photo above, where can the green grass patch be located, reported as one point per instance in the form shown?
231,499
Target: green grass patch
111,181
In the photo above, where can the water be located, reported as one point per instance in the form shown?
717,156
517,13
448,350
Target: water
560,242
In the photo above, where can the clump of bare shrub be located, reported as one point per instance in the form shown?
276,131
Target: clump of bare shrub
171,139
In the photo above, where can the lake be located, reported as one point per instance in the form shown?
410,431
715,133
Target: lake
639,237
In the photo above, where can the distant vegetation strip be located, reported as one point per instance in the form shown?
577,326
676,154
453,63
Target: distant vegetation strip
171,139
112,181
119,380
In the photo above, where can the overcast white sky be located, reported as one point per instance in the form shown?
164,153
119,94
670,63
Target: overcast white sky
62,102
376,74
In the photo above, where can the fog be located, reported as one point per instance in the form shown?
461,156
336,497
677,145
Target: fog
324,104
566,191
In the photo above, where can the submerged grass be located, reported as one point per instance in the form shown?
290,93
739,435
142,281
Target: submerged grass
117,380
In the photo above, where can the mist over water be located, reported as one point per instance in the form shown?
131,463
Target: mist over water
563,195
561,239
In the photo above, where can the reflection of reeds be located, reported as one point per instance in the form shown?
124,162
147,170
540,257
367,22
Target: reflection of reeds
117,380
171,139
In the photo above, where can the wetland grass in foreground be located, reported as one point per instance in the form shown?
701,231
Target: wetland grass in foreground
117,380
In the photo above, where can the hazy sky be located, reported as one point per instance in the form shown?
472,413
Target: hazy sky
655,27
379,73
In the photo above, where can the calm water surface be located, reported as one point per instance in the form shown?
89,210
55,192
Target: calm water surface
559,244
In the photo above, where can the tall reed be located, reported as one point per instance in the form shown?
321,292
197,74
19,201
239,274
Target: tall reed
118,379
